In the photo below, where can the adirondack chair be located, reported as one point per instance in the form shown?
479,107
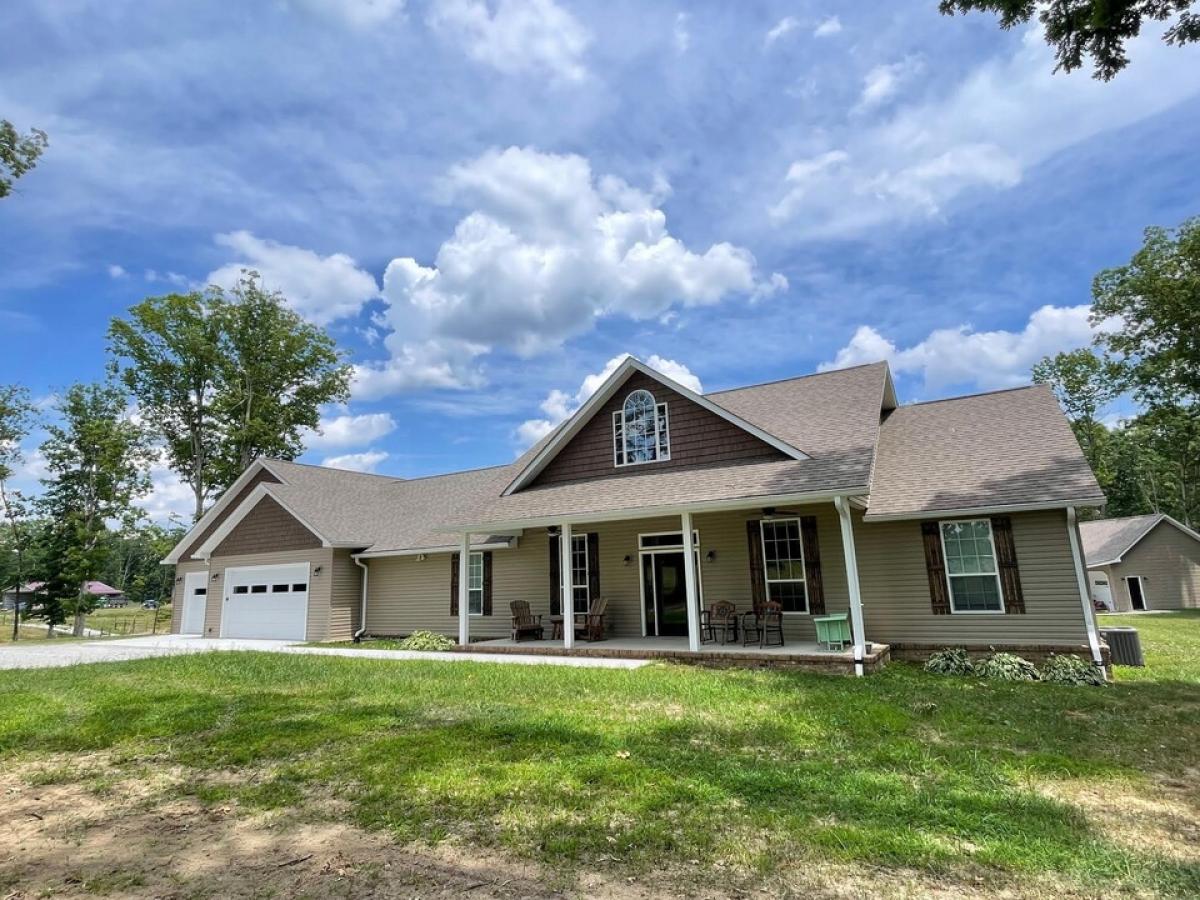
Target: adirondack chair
766,620
524,622
590,625
719,622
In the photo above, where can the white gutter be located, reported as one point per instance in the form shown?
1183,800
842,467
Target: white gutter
362,613
1089,614
978,510
430,551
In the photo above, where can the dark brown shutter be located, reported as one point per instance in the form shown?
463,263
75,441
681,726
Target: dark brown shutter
454,584
812,565
555,580
758,581
935,565
1006,562
487,582
593,559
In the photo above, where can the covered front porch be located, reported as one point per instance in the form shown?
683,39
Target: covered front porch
652,579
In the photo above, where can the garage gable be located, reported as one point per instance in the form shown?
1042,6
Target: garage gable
184,551
267,528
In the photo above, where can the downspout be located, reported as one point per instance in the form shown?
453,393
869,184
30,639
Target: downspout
362,611
1089,614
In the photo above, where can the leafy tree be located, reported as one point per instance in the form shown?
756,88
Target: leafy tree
225,377
172,346
97,458
1083,384
1095,28
132,561
1156,300
16,421
18,153
278,372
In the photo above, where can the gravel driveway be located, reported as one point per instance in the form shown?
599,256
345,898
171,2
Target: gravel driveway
44,654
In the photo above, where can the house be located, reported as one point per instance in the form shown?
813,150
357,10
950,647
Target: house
107,596
1142,562
932,524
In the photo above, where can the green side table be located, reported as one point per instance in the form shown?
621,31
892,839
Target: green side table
833,629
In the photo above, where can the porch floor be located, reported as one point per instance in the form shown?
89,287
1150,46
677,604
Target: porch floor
794,654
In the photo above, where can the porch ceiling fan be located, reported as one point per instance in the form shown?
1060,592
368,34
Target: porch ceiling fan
773,512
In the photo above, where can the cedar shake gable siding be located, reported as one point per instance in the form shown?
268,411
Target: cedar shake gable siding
266,528
698,437
259,478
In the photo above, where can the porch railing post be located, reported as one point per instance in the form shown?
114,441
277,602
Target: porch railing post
568,594
464,591
689,579
848,551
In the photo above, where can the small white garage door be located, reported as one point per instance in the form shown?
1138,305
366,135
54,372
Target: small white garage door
266,602
195,591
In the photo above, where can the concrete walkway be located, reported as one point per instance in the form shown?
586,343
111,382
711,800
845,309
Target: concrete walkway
45,654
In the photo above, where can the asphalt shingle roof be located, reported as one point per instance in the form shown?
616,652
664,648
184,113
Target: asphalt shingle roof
1106,539
1004,448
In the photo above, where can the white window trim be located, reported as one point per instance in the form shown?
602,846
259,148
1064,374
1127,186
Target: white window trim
662,438
1141,580
768,581
995,562
473,555
587,572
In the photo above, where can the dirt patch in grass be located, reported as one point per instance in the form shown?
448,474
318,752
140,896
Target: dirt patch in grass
87,833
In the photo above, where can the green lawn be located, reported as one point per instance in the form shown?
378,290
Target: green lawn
730,779
129,620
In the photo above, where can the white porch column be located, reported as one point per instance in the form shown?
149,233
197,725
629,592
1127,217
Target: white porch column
689,579
567,603
1089,612
464,593
851,556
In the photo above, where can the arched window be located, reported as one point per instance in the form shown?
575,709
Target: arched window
640,430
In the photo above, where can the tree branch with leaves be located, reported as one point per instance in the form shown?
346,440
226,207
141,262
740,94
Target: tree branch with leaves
17,418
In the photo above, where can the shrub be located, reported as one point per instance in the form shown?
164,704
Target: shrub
1071,670
1006,667
426,640
953,661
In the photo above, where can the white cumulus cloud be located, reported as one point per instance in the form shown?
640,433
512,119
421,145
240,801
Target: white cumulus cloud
902,160
548,248
783,27
516,36
963,356
828,27
560,405
350,431
320,288
367,461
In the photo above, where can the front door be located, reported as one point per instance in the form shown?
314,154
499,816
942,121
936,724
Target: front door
664,592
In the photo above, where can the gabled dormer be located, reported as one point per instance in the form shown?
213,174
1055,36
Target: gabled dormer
641,421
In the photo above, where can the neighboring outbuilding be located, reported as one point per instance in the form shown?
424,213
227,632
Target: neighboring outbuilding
108,596
1142,563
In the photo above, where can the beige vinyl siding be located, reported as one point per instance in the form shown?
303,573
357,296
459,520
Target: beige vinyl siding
182,570
320,586
1169,562
895,587
345,599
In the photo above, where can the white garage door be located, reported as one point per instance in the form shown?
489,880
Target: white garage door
195,590
266,602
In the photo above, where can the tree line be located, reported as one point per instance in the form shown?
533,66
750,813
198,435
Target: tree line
198,383
1147,317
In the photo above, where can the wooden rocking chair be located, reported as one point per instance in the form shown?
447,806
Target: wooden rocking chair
719,622
766,620
524,622
590,625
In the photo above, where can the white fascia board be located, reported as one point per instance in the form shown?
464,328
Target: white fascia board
978,510
204,551
584,414
649,512
215,510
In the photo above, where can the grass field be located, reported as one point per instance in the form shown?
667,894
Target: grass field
129,620
698,781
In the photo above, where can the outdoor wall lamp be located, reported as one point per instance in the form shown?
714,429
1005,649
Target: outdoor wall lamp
420,557
216,576
179,579
628,559
317,570
710,556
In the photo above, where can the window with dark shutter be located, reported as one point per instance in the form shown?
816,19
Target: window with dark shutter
593,563
555,577
1006,561
454,584
812,565
935,566
758,586
487,582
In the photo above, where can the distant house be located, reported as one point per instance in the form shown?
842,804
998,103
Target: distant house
1142,562
107,595
27,592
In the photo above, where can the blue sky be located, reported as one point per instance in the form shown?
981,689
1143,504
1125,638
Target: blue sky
488,202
